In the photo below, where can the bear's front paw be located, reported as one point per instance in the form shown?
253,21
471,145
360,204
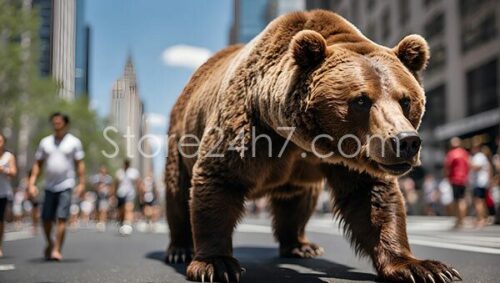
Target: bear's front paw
413,270
178,254
219,268
302,250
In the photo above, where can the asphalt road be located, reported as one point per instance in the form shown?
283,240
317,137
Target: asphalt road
91,256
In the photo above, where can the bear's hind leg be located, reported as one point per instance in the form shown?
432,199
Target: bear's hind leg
292,206
178,182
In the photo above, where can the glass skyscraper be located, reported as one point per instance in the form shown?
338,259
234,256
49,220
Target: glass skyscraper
44,8
82,50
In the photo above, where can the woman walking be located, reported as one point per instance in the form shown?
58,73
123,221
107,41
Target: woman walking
8,170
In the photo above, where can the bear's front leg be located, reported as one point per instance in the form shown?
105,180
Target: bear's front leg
373,213
216,205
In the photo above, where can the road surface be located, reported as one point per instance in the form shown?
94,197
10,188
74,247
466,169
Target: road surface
92,256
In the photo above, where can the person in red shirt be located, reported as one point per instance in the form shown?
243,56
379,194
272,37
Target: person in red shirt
457,171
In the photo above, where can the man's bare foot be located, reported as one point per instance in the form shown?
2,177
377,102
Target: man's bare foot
57,256
1,253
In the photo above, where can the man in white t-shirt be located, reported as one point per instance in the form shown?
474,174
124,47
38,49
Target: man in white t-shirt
128,183
479,180
61,155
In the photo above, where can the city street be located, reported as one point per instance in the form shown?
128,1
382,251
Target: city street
91,256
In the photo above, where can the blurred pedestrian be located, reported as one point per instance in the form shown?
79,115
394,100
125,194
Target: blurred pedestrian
128,182
456,168
8,170
480,179
149,200
431,195
33,200
87,207
17,208
496,181
408,188
102,184
446,196
61,156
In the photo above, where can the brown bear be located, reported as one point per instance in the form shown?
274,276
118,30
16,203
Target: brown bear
309,100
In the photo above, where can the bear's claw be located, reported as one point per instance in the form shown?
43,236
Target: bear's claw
304,250
178,255
413,270
224,269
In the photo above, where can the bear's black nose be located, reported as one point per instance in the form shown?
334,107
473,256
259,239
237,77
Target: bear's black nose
408,142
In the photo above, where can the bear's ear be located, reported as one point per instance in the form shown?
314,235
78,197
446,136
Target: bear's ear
308,48
413,51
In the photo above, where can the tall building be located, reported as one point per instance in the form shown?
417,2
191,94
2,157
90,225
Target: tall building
462,78
58,42
82,52
252,16
127,115
279,7
44,8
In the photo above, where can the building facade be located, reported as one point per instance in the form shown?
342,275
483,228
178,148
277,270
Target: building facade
44,8
127,116
64,43
82,51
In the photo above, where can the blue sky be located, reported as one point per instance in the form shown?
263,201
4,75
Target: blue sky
146,29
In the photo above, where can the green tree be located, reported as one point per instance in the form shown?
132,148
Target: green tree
27,98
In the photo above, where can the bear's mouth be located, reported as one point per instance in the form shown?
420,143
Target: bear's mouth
396,169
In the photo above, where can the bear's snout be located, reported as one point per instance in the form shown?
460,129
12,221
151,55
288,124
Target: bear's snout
406,144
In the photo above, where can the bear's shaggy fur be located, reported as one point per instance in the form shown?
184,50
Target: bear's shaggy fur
316,73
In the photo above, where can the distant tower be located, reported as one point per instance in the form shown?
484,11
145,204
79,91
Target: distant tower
127,111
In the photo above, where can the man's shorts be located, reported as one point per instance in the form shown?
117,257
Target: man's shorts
458,192
3,206
480,192
122,200
56,205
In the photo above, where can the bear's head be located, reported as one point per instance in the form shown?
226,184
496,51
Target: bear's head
364,101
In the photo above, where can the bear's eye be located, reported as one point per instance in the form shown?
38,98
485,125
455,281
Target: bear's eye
362,102
405,104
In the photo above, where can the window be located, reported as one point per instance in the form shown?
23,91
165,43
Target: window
482,85
435,106
386,24
404,11
469,7
370,6
475,33
429,3
438,58
435,26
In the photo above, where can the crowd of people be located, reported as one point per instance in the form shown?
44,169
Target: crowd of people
69,198
469,186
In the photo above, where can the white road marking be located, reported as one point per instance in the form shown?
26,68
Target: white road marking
451,246
428,241
252,228
5,267
19,235
300,269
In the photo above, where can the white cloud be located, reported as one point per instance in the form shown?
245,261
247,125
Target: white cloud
185,56
156,120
